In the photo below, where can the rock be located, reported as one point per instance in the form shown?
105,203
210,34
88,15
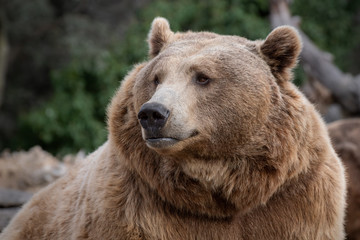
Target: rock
29,170
13,198
6,215
10,202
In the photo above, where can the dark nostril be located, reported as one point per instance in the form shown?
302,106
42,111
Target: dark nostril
157,115
142,116
153,115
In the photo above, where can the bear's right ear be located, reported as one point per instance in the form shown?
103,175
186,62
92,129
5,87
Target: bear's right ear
280,50
160,33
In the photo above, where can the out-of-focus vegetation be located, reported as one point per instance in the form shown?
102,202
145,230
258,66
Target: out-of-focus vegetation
71,116
334,25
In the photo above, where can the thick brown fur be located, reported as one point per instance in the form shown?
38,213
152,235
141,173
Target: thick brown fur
253,158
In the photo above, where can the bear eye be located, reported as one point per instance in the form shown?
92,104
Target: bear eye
202,79
156,80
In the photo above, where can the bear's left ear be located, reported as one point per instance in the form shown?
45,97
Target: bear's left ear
160,33
280,50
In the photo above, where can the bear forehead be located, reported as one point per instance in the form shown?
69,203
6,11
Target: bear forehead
214,51
205,44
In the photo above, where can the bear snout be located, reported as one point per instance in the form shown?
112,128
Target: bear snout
153,116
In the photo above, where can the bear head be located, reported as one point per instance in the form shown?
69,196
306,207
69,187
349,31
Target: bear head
206,111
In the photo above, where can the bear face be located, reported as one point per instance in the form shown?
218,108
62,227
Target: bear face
188,94
200,92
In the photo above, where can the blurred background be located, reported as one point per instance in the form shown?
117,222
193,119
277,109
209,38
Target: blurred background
61,62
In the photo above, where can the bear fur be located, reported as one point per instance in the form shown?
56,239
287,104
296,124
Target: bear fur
235,151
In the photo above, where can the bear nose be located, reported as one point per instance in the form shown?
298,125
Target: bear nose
153,115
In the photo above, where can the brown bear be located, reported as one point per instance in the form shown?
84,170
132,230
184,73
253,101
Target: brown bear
208,139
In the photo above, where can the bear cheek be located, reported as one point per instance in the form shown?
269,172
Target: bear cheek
226,120
142,93
254,97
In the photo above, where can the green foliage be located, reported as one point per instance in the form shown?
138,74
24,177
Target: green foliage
333,25
74,117
242,17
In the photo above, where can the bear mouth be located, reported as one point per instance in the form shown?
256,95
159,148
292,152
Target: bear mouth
161,142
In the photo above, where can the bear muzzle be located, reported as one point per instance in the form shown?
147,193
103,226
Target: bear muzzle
153,117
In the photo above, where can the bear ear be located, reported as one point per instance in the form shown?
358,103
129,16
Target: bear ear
280,50
160,33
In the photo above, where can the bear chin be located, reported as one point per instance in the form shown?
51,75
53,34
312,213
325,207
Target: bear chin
161,143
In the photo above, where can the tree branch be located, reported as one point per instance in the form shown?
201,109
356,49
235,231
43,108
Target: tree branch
318,64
